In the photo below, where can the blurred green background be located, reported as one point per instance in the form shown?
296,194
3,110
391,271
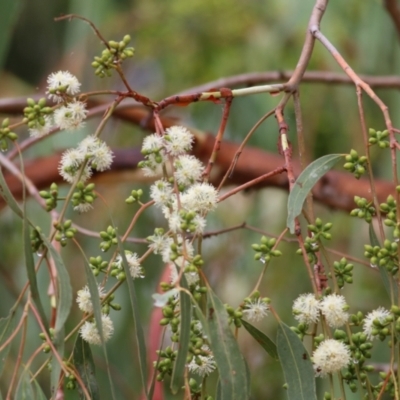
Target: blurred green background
180,44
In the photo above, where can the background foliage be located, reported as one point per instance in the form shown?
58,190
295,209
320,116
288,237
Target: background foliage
181,44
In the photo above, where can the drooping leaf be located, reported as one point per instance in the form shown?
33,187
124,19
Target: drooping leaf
234,380
27,390
184,336
30,270
64,300
9,11
8,197
266,343
304,184
387,279
141,343
296,365
83,362
6,327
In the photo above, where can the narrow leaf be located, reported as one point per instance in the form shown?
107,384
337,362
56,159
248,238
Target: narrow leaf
184,336
387,279
266,343
64,288
24,389
83,361
9,11
30,270
234,381
304,184
296,365
141,344
8,197
6,327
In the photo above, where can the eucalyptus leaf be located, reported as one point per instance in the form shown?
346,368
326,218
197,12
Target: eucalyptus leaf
83,362
304,184
184,337
6,327
234,380
266,343
141,343
296,365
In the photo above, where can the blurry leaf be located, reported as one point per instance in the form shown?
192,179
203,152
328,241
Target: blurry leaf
141,344
64,288
63,302
184,336
387,279
83,362
304,184
232,370
8,197
6,327
9,10
267,344
30,270
27,390
296,365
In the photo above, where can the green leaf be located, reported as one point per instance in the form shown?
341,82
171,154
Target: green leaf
6,327
64,288
234,380
30,270
83,362
27,390
296,365
266,343
304,184
184,337
141,344
8,197
9,11
387,279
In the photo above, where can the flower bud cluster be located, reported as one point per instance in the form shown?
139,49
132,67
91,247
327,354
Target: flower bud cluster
112,56
265,250
356,164
65,231
385,256
379,138
365,209
6,133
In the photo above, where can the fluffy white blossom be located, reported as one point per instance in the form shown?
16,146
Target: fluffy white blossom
188,169
380,314
102,157
161,192
62,82
306,309
135,269
200,197
71,116
84,298
330,356
334,308
192,278
41,130
158,243
177,140
152,144
90,333
83,207
256,310
203,365
167,252
71,161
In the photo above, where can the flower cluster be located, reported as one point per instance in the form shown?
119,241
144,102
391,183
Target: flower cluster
91,153
89,331
69,114
307,309
330,356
